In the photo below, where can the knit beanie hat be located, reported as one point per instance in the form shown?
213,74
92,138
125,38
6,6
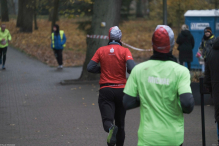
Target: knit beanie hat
115,33
163,39
208,29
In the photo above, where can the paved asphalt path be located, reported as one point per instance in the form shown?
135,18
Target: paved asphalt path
35,110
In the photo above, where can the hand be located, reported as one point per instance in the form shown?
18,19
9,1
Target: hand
3,42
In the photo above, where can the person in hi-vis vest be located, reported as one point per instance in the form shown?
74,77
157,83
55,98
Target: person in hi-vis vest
58,43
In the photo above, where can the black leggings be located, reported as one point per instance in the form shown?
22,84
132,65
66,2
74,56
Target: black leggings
111,108
188,63
3,52
58,55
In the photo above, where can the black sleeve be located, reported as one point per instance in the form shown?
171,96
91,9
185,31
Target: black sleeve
207,75
130,102
202,44
187,102
178,40
130,65
193,42
93,67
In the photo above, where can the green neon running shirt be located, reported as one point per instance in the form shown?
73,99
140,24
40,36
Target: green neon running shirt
159,84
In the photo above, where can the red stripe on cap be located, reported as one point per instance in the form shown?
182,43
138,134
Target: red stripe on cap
161,40
110,31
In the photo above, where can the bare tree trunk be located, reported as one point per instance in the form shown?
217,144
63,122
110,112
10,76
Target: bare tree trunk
11,6
51,15
27,16
35,15
16,6
0,12
179,14
55,13
125,10
216,4
20,13
4,11
104,11
52,11
139,13
144,9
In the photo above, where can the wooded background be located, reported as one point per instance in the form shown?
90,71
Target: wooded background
26,11
30,23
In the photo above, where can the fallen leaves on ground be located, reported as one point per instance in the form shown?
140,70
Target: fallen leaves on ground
137,33
37,44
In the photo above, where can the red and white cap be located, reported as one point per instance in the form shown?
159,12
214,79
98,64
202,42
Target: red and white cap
163,39
115,33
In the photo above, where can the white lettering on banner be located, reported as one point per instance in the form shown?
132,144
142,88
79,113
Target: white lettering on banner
217,26
160,81
199,26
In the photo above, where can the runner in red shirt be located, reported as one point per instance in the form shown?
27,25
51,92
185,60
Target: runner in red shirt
113,59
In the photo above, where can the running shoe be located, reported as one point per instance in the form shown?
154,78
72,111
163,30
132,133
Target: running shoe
3,67
111,139
60,67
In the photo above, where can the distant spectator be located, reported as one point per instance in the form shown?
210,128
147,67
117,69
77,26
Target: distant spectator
58,43
211,78
205,46
5,37
186,43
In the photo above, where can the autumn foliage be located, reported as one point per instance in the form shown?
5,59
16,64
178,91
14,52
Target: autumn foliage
176,9
137,33
37,44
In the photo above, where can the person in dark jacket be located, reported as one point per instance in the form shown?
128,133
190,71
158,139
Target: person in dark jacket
211,78
186,43
58,41
205,46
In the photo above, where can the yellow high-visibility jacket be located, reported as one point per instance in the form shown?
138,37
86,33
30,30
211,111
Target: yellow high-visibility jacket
4,35
58,42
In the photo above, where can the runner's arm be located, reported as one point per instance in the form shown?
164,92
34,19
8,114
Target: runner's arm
187,102
130,65
130,102
131,99
9,36
93,67
185,92
129,61
178,40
